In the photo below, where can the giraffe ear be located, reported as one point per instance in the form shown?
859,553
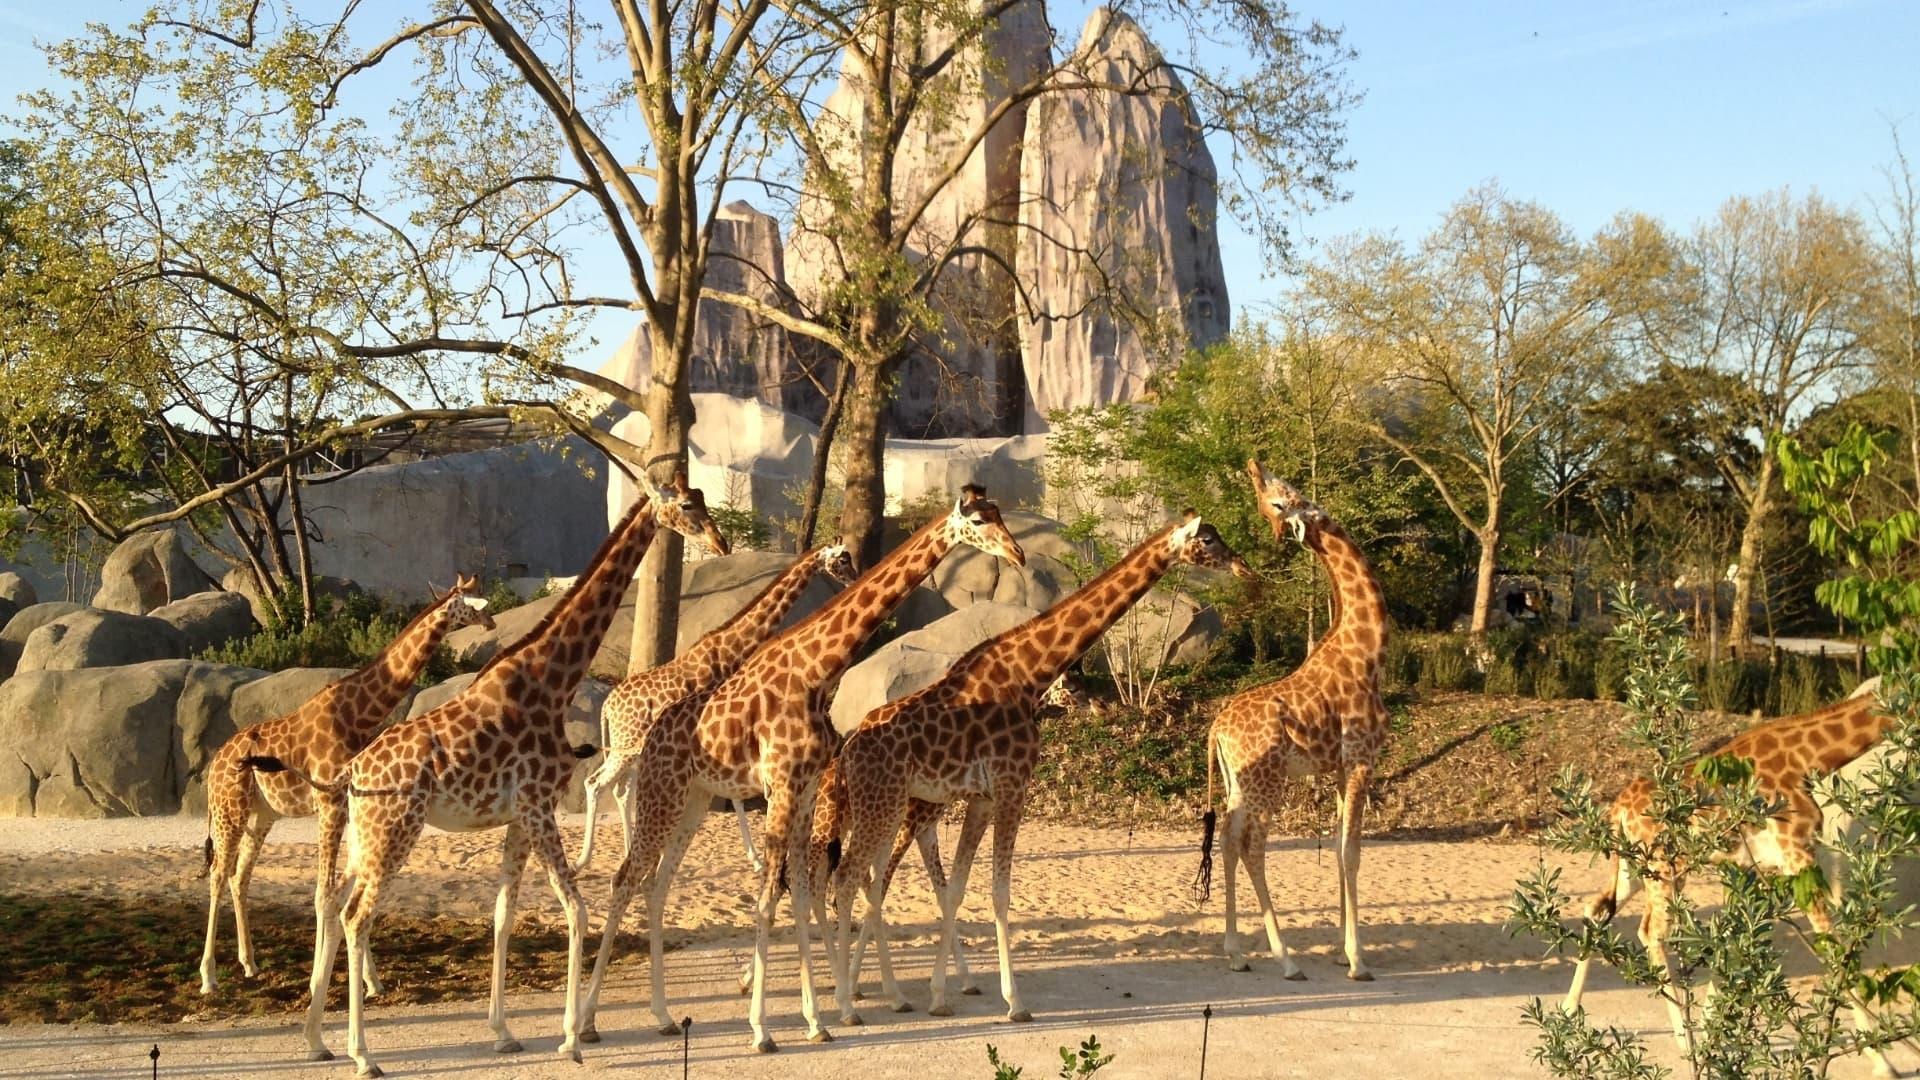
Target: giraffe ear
478,603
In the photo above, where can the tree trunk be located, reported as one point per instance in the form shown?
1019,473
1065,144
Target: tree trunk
656,606
863,507
822,458
1489,537
1750,536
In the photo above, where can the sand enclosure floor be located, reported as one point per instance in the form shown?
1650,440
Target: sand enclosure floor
1108,941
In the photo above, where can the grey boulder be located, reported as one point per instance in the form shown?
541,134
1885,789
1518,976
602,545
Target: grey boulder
13,637
93,638
147,570
209,619
112,742
914,660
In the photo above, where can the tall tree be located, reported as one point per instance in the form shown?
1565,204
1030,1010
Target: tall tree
302,204
900,242
1784,290
1497,321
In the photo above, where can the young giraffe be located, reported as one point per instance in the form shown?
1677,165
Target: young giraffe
972,735
318,738
1326,717
766,731
1786,753
633,706
495,754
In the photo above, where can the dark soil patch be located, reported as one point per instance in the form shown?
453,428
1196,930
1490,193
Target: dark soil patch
68,960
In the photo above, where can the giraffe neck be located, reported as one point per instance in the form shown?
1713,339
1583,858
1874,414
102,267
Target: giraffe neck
726,648
377,689
830,636
1041,648
544,668
1360,608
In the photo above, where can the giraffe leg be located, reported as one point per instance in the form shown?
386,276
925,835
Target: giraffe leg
1653,934
1008,809
648,812
798,833
927,839
692,812
746,838
224,829
863,862
781,823
1254,851
332,814
250,841
1352,810
971,830
326,947
1230,846
1603,905
513,864
552,852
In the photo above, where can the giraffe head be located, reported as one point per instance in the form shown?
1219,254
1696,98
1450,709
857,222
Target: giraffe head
976,521
684,510
462,607
1282,504
835,561
1199,543
1065,693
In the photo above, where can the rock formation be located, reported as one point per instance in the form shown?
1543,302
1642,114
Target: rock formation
147,570
916,659
98,638
1121,202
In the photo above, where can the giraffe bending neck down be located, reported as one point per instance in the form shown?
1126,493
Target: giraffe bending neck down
1786,754
638,701
318,739
1326,717
495,754
972,735
766,731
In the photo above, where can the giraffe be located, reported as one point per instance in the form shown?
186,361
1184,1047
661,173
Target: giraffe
317,738
1065,694
1326,717
632,707
972,735
766,731
1786,753
495,754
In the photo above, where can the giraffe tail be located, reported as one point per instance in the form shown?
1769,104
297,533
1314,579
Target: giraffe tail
207,868
1203,877
266,763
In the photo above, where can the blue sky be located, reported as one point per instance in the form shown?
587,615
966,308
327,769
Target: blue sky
1590,109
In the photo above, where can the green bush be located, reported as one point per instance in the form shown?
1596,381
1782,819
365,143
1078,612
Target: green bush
1506,675
342,634
1733,686
1445,665
1400,670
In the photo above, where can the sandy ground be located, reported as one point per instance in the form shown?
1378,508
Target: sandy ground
1108,942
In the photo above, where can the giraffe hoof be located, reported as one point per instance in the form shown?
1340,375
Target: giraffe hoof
1361,975
903,1006
1296,975
858,996
590,1035
852,1019
507,1046
322,1054
371,1072
766,1045
574,1054
1238,966
821,1036
970,991
669,1029
1021,1017
940,1010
